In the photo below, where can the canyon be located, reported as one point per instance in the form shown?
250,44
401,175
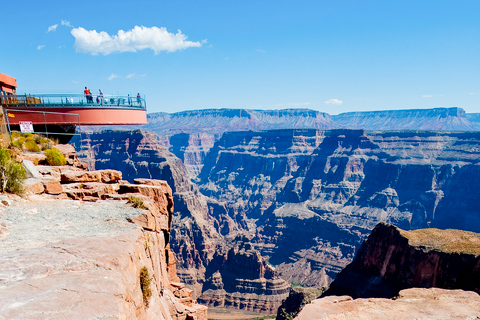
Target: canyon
294,204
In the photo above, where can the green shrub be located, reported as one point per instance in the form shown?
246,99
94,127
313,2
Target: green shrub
17,143
54,158
31,145
12,173
136,202
145,281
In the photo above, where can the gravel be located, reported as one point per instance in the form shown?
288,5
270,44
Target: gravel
36,224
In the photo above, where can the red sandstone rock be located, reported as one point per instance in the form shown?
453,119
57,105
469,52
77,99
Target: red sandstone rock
52,186
105,176
416,303
34,186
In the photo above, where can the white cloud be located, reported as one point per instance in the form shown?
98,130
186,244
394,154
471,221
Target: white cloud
427,96
40,47
334,102
139,38
112,76
52,28
66,23
135,76
262,51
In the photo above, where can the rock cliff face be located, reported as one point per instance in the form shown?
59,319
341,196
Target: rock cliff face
100,260
197,236
335,186
392,259
259,289
217,121
305,199
417,119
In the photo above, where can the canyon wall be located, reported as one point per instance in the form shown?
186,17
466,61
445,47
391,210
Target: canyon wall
305,199
197,236
452,119
392,259
308,198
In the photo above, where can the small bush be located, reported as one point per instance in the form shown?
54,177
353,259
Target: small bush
31,145
54,158
12,173
145,281
17,143
136,202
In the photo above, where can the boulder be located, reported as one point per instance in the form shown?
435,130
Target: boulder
52,186
31,169
34,186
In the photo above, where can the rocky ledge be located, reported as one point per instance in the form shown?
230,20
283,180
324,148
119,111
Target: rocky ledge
392,259
64,257
416,303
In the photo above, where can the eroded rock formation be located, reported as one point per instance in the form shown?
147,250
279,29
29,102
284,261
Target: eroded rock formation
392,259
335,186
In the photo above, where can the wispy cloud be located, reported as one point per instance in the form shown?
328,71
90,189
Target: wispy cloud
113,76
66,23
138,38
427,96
335,102
40,47
261,51
474,93
135,76
52,28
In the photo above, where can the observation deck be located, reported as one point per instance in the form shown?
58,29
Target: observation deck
88,109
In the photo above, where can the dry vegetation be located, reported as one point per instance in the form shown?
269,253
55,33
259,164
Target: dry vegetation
450,240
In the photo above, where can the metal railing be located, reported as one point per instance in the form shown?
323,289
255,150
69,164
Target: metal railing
72,100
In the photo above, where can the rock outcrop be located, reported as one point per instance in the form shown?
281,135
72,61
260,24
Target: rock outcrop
259,289
84,260
296,300
392,259
416,303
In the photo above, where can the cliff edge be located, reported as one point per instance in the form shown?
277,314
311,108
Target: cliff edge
75,248
391,259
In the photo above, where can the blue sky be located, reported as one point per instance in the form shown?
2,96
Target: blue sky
331,56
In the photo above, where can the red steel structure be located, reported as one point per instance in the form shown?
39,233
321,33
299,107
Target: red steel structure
88,109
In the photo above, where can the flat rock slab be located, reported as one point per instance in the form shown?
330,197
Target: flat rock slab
64,259
415,303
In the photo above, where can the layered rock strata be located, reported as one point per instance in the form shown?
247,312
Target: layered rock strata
83,260
392,259
259,289
335,186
